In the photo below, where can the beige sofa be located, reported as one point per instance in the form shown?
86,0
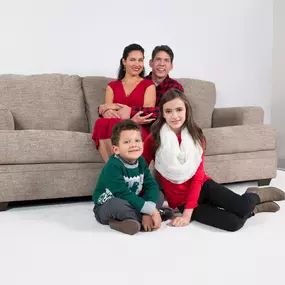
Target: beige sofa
46,150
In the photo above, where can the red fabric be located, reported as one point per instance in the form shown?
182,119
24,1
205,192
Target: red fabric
167,84
103,126
178,194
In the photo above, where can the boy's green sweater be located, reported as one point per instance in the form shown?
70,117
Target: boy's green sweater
127,181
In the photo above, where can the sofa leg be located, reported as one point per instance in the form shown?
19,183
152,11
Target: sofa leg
264,182
4,206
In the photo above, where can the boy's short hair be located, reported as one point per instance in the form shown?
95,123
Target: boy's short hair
164,48
124,125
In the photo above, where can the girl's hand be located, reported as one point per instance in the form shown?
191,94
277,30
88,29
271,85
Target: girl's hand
180,221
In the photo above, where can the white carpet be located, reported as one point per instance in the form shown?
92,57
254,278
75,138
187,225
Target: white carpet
63,244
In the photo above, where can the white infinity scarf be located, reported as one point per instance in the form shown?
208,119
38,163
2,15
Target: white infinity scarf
177,163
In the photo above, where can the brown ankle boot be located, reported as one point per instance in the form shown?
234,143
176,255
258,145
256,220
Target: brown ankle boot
266,207
128,226
267,194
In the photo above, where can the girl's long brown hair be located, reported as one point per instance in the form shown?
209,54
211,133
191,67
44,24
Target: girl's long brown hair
189,123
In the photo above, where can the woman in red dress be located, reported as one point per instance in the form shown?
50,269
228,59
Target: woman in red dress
129,89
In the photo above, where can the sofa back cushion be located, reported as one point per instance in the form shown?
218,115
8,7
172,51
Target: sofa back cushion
94,88
202,95
44,102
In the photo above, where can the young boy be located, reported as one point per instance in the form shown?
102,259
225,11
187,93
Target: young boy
126,195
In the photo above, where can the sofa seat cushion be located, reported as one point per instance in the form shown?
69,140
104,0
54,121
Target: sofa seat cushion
41,146
228,168
239,139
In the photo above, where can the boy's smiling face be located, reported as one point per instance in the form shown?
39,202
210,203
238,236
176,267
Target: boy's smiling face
130,146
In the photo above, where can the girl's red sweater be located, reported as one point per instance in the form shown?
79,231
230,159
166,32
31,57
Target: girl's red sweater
186,193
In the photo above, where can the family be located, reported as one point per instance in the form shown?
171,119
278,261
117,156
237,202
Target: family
149,118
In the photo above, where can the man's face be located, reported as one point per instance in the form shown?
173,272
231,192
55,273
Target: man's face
130,146
161,65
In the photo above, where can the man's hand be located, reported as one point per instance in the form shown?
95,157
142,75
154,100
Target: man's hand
111,114
156,219
147,223
142,119
113,106
125,112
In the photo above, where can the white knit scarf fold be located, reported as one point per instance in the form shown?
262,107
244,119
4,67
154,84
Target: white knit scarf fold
177,163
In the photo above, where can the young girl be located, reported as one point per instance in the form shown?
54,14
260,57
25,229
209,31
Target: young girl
177,144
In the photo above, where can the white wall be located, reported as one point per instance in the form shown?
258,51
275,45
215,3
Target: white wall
225,41
278,98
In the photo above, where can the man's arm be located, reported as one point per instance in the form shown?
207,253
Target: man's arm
179,87
146,111
155,110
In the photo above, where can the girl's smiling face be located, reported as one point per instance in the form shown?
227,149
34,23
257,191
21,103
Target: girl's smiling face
174,113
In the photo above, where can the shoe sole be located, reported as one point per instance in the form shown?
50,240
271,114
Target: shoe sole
129,227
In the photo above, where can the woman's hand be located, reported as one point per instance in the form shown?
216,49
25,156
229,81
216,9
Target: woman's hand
113,106
110,114
125,112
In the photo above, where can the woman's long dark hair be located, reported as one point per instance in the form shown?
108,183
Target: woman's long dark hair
189,123
126,52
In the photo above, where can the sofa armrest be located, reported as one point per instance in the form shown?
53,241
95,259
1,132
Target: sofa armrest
236,116
6,119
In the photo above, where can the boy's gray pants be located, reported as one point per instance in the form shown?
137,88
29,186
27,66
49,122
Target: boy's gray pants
118,209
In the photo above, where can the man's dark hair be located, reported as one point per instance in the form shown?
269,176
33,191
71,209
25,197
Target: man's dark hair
124,125
165,48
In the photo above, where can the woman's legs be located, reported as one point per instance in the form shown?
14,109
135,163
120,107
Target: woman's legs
105,149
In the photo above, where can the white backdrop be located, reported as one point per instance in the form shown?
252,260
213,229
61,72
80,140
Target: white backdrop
278,98
228,42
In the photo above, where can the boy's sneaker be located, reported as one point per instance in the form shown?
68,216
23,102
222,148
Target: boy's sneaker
166,213
128,226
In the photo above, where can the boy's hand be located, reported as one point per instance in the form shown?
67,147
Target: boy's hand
147,223
156,219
